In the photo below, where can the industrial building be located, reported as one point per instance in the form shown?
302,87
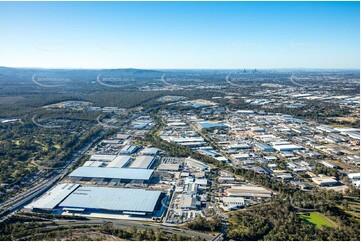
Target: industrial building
93,163
211,125
287,147
129,150
209,152
196,164
143,162
325,181
232,203
185,140
328,164
150,151
354,179
120,161
53,197
124,175
189,202
264,147
171,164
77,199
248,192
105,158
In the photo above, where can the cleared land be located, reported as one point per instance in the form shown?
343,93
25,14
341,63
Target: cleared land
316,219
10,99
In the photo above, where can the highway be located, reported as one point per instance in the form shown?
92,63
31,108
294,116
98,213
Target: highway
20,200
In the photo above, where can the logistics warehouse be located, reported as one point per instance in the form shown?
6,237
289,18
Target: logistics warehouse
78,199
125,175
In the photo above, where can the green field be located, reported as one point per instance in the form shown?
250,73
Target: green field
316,219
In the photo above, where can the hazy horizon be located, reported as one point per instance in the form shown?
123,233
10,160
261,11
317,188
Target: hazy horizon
180,35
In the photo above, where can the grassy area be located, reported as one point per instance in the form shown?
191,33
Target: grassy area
316,219
352,206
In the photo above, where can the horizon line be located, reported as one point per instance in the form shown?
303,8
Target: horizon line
140,68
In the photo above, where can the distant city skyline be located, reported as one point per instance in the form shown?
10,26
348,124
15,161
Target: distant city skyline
180,35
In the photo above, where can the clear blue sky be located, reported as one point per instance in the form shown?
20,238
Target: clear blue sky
180,34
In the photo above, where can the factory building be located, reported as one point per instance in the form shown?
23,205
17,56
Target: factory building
186,140
129,150
328,164
120,161
150,151
354,179
212,125
124,175
264,147
325,181
105,158
196,164
143,162
232,203
171,164
248,192
209,152
287,147
93,163
189,202
99,201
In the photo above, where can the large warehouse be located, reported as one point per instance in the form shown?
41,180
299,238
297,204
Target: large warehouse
120,161
74,198
143,162
287,147
124,175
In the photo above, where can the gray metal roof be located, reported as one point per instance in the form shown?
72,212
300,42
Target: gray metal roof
129,149
118,199
53,197
102,157
120,161
114,173
150,151
93,163
143,162
263,146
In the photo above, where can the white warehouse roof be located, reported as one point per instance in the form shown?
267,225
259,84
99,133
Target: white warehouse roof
143,162
114,173
120,161
102,157
93,163
287,147
116,199
53,197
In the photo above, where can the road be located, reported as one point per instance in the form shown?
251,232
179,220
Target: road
231,83
15,203
142,225
20,200
26,197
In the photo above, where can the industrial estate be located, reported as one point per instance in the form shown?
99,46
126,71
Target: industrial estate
180,121
194,167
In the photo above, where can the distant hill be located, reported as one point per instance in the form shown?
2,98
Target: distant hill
32,71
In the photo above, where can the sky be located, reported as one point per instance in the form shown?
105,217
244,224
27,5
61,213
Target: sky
180,35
